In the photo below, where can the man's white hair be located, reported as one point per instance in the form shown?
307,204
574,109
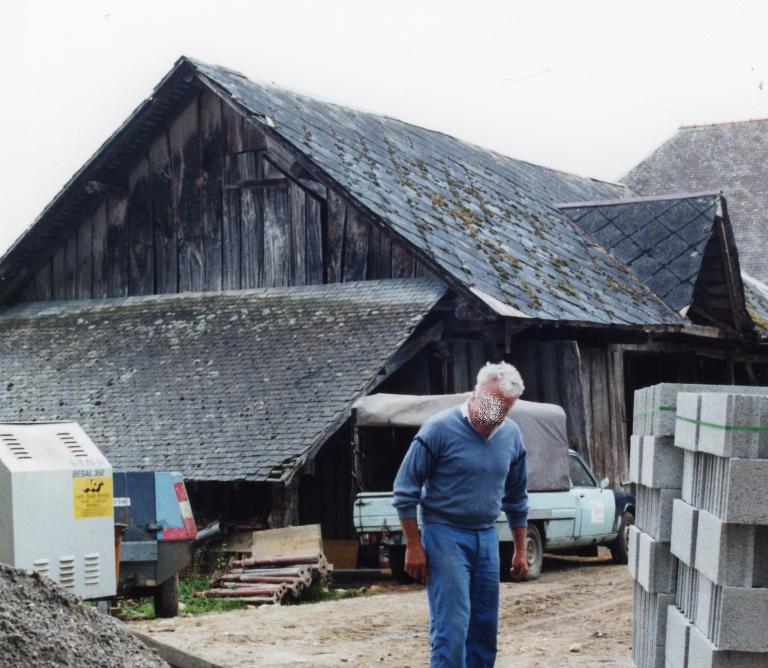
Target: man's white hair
505,375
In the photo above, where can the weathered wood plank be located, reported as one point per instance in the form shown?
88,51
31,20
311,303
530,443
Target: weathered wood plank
277,236
28,293
379,263
477,359
163,216
422,270
99,245
298,215
117,242
460,366
64,263
334,237
57,273
185,162
601,417
572,397
141,251
355,245
313,256
251,225
619,440
43,288
586,384
230,232
84,272
233,129
548,371
212,164
253,138
269,170
403,264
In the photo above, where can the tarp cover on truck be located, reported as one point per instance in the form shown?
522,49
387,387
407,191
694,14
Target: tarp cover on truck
542,426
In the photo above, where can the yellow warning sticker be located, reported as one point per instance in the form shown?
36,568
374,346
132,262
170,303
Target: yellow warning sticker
92,496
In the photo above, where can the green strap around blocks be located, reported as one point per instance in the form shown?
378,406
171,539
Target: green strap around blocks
658,410
726,427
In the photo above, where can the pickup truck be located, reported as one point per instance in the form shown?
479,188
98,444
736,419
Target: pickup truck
570,511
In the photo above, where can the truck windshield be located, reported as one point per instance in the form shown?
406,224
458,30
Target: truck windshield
578,473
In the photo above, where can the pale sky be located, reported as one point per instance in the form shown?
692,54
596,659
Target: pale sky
584,86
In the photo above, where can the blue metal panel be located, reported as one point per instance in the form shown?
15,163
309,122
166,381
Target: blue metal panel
139,489
168,510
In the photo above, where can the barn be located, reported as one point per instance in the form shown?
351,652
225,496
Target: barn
238,263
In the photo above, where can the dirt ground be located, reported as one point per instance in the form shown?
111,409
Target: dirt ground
577,614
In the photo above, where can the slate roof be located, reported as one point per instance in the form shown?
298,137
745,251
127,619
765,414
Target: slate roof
214,385
732,157
756,296
486,220
661,240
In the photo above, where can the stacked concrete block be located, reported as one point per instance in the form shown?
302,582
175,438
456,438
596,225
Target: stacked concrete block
651,612
655,407
656,468
717,524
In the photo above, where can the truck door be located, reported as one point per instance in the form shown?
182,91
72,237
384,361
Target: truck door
594,506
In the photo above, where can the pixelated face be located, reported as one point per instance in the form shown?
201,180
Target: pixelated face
490,406
489,409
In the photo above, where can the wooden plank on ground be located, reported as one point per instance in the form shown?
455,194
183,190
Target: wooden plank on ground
288,541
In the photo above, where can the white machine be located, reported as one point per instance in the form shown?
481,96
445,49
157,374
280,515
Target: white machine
56,515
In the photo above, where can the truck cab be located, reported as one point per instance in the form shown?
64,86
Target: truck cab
570,511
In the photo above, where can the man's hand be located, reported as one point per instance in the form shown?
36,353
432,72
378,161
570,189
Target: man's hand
520,558
415,558
519,565
416,562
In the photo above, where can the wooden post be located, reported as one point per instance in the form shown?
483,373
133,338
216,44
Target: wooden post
285,504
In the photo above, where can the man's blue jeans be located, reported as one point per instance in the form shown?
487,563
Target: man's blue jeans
463,592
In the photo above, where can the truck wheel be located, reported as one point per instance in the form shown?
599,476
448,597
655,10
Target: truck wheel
620,546
535,548
167,598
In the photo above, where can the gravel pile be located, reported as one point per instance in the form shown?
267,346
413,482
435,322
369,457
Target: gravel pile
42,625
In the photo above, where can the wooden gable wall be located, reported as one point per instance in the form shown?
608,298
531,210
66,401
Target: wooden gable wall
208,206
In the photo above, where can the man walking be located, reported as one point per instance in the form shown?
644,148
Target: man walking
464,466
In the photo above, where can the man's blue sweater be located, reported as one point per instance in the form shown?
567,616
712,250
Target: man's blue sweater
461,478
